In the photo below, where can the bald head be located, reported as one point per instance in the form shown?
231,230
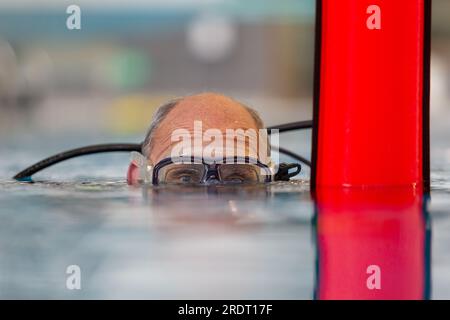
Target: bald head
215,111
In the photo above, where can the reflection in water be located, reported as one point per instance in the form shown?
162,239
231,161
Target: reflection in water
254,242
160,243
372,244
218,204
169,194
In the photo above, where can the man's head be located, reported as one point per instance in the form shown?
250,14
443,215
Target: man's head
214,112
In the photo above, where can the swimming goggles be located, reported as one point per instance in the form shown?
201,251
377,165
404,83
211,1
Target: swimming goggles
190,170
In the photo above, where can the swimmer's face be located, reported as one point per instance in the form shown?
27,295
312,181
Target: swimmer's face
214,111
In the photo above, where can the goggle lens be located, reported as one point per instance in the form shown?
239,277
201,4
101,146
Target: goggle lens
181,174
240,173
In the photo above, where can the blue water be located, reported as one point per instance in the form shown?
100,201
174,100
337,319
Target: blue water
248,243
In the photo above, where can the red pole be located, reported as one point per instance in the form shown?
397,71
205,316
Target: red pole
371,108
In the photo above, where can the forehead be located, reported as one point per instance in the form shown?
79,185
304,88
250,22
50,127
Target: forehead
214,111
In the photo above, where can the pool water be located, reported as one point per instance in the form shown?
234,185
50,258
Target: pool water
255,242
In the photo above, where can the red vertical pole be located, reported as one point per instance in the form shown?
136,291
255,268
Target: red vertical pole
372,93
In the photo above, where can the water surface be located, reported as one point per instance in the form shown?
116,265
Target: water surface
270,241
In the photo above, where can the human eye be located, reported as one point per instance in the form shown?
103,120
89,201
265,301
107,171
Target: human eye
183,175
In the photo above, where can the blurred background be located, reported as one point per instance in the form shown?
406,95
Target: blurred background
103,82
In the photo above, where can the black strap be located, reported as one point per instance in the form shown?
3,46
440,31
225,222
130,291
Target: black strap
283,173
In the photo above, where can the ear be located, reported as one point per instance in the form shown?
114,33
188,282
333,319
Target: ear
133,174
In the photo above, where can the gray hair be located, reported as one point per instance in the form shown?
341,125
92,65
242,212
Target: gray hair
164,110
